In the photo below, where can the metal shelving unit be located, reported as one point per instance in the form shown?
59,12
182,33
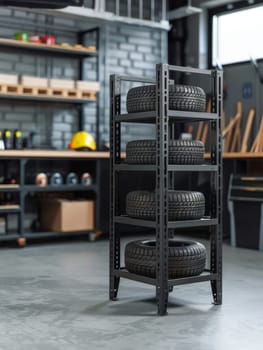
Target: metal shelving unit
9,45
85,161
23,156
163,118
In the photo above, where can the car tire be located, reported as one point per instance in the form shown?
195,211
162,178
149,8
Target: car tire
185,258
180,152
181,97
182,205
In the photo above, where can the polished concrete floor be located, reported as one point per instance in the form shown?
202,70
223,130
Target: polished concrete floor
55,296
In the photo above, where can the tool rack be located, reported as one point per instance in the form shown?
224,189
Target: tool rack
165,179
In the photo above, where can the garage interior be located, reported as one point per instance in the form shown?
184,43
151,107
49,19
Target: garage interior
106,182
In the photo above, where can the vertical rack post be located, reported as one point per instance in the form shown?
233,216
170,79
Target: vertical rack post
115,154
216,189
162,94
22,171
81,108
81,76
98,65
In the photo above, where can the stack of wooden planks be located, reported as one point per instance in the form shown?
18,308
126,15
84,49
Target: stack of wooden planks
233,139
232,132
257,145
203,127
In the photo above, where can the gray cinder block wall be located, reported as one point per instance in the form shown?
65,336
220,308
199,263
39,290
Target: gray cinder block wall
124,49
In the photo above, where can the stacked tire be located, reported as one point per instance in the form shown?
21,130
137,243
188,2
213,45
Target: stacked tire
180,152
185,258
182,205
181,98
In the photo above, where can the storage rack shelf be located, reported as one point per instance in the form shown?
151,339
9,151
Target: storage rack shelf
171,224
173,168
149,117
206,276
99,160
162,117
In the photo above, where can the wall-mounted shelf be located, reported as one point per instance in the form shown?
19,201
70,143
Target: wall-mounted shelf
44,99
62,188
64,50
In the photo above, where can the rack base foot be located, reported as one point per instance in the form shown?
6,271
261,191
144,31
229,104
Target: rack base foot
162,301
216,287
114,288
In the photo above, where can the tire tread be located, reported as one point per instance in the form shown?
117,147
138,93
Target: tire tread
181,97
182,205
183,261
180,152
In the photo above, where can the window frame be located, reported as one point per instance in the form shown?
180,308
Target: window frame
221,10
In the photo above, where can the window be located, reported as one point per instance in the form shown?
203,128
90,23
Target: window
237,36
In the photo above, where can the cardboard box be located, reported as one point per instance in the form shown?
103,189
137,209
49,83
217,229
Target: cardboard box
9,79
61,84
63,215
34,82
88,85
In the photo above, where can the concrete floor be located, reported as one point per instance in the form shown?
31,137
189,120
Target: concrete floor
55,296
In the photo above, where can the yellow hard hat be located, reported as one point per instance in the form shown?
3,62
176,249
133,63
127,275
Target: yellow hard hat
82,140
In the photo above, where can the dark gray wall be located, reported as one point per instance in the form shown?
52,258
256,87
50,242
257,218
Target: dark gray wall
132,50
235,76
124,49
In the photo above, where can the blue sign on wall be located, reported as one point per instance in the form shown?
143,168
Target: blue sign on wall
247,90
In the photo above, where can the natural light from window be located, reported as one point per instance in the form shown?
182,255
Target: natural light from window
238,36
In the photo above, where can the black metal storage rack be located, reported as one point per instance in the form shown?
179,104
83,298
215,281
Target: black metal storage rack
97,161
163,117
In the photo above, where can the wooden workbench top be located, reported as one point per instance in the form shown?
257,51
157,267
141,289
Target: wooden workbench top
97,154
240,155
52,154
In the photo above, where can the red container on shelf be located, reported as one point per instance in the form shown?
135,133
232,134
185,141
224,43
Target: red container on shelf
35,38
49,39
